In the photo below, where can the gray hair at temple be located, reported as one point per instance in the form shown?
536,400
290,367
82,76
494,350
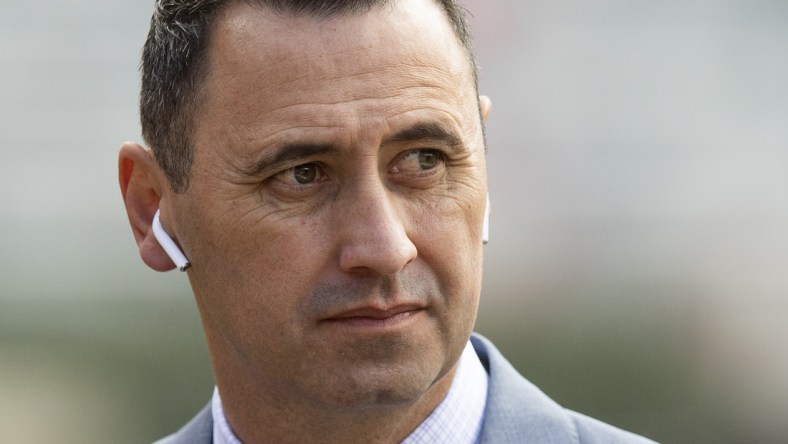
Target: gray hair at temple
174,65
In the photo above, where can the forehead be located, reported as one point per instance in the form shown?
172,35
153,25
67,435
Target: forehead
272,55
399,23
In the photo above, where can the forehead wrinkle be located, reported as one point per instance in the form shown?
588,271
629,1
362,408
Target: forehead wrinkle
306,115
341,102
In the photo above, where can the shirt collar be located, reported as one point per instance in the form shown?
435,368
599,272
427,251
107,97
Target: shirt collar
457,419
222,433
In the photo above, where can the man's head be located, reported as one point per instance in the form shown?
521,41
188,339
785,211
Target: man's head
174,66
334,211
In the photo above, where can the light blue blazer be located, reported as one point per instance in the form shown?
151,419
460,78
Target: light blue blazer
516,413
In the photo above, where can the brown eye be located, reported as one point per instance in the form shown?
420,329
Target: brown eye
301,175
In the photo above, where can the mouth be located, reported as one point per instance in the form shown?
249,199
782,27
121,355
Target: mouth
375,318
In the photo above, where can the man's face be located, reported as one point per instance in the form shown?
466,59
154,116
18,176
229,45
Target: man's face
335,207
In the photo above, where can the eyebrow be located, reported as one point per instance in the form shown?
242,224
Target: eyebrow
427,131
287,153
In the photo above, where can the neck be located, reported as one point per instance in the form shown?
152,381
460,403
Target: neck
259,417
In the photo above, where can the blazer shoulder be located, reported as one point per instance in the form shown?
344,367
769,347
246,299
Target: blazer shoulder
518,412
593,431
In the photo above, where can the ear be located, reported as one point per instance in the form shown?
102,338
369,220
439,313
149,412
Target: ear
141,184
485,105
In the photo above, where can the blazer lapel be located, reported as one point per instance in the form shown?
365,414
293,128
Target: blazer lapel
517,411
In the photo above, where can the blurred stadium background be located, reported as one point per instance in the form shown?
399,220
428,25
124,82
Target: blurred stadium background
638,266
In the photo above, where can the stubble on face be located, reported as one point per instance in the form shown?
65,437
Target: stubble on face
288,321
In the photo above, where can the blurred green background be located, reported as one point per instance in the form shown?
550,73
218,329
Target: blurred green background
638,159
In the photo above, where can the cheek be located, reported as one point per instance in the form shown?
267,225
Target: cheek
256,275
448,238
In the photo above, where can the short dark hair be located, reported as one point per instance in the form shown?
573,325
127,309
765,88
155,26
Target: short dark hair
173,67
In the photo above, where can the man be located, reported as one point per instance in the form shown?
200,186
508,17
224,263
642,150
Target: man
319,168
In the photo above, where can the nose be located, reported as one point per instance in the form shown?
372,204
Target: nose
374,236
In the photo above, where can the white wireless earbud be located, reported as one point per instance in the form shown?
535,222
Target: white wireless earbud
168,244
486,223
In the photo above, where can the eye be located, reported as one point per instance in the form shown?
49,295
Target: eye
428,159
418,162
305,174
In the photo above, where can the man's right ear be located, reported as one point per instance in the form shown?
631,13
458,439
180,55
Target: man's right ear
141,184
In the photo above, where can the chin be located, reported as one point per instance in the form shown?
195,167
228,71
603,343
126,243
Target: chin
378,386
